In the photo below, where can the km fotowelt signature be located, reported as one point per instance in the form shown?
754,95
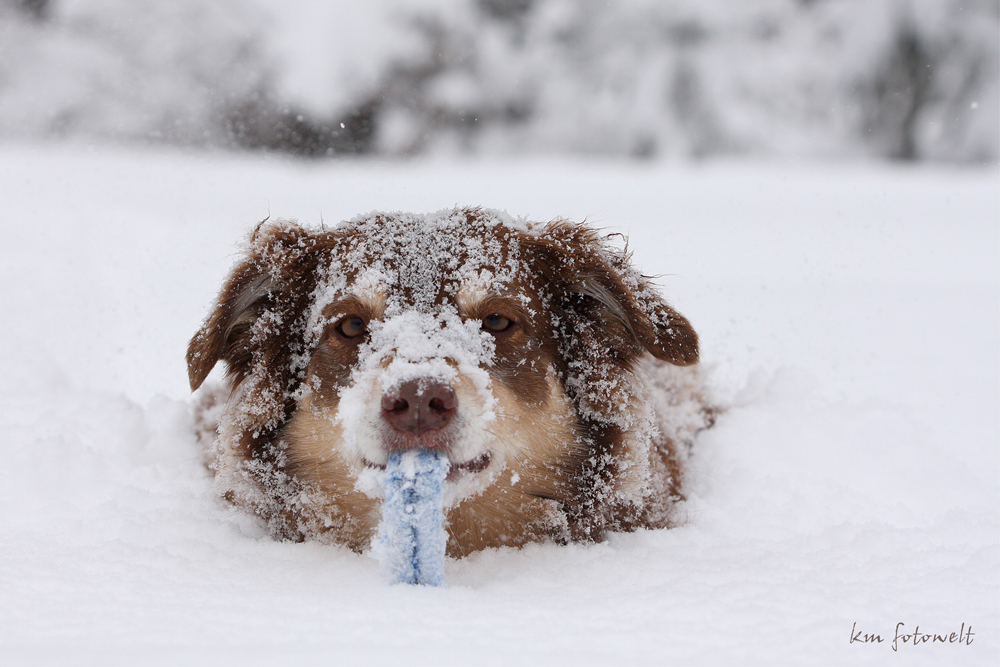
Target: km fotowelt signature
916,637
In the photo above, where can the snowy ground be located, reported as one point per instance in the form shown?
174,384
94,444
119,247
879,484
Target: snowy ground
850,315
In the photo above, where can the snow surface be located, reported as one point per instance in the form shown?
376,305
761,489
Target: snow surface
849,316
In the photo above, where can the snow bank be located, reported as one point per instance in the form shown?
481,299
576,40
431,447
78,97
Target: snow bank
849,317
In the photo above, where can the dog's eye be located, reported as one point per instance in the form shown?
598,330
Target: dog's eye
497,323
352,327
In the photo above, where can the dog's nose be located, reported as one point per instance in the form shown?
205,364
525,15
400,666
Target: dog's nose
419,406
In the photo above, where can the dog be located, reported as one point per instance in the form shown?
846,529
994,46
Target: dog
561,387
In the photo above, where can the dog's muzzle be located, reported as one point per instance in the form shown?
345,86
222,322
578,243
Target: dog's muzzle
421,414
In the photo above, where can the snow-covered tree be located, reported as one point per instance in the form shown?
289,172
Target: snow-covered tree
901,79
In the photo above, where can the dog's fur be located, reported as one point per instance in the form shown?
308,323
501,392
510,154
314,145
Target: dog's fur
567,414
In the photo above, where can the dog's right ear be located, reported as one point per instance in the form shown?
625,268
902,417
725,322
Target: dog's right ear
276,275
226,331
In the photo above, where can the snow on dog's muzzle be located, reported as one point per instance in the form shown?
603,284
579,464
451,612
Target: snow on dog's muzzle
420,383
433,403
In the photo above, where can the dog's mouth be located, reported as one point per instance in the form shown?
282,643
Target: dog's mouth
473,466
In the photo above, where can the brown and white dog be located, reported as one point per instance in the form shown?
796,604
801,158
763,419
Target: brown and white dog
532,355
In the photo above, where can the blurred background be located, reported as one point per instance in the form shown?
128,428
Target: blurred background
884,80
759,152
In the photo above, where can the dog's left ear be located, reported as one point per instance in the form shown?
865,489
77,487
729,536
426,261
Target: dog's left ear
596,283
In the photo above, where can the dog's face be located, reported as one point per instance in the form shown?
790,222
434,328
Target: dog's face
506,346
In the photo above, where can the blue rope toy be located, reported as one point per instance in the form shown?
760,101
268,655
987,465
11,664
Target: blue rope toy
411,537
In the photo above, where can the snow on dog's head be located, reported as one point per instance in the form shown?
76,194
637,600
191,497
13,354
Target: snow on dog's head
520,351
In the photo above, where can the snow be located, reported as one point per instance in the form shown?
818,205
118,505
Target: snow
848,316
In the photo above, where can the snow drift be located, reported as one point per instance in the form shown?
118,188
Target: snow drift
849,318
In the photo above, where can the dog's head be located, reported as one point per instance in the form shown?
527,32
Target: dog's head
506,345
